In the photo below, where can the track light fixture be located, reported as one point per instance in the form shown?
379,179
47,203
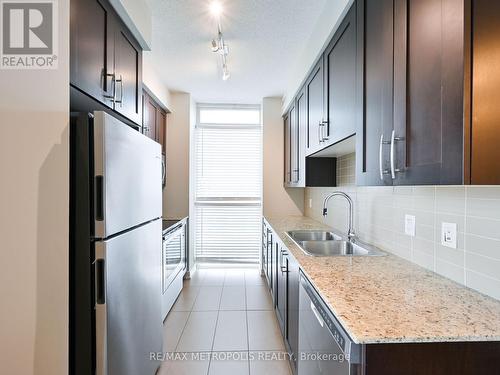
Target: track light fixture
218,44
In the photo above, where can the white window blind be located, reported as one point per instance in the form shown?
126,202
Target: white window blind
228,181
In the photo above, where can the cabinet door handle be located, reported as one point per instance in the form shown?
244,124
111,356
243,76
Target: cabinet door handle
382,171
325,137
120,80
320,139
111,97
393,172
380,157
394,139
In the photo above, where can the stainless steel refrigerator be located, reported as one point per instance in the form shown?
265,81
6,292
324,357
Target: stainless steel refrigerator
115,247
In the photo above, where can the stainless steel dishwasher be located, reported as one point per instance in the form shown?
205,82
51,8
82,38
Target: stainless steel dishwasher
324,346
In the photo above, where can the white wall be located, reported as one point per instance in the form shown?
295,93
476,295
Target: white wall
276,199
176,192
324,29
34,158
192,184
151,79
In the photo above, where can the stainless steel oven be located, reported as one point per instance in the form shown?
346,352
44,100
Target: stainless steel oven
173,263
324,346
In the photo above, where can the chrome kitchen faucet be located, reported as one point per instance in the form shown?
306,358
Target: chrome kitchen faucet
350,231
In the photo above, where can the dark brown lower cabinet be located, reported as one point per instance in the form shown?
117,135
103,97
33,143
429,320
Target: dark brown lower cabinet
292,328
447,358
433,358
282,288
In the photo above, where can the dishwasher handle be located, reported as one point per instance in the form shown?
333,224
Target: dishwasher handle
316,314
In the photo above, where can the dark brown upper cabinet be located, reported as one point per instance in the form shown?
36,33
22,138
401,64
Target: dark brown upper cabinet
340,83
154,121
299,132
411,128
91,64
288,156
315,95
331,90
485,130
149,114
294,137
375,96
428,92
128,75
105,59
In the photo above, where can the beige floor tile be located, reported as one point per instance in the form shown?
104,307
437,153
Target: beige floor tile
263,331
196,279
235,277
233,298
208,298
258,298
269,363
172,329
222,366
199,332
192,364
231,331
253,277
186,298
214,277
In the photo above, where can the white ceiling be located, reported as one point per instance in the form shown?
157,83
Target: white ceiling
264,39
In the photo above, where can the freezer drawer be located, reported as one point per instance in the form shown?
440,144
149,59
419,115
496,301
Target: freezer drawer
128,301
127,176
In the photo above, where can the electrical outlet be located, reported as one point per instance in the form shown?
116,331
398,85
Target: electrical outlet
310,203
410,225
449,235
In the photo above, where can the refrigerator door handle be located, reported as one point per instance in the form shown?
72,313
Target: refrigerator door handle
100,281
99,198
100,311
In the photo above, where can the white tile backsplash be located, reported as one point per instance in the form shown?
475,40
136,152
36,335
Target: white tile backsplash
379,219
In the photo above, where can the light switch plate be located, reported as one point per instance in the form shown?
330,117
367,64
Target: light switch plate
410,225
449,235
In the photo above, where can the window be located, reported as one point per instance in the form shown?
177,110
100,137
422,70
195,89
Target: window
228,184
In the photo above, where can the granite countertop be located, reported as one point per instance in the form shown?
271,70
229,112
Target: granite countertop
388,299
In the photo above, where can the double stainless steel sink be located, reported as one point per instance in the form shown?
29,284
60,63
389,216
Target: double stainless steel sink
326,243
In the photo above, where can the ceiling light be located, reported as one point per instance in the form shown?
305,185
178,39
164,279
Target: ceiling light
215,45
218,45
216,9
225,73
